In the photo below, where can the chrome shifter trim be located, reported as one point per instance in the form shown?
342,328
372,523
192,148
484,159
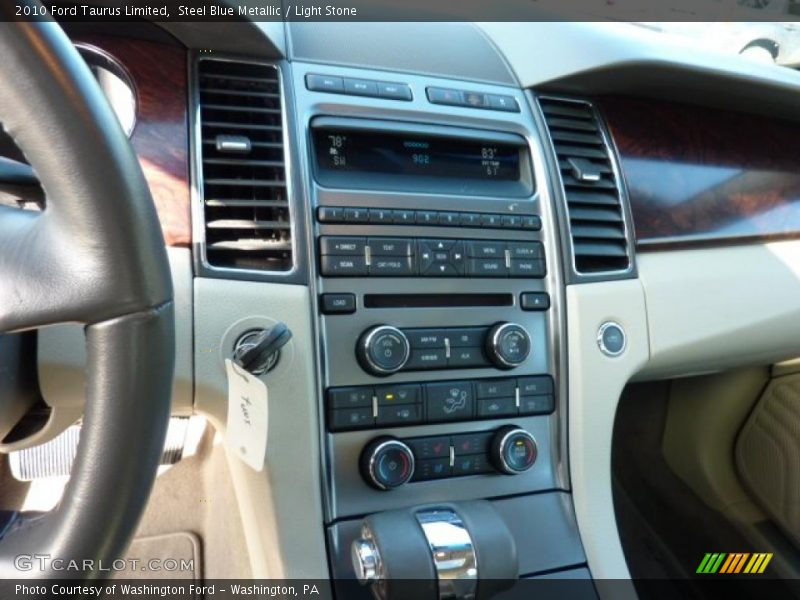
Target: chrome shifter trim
453,553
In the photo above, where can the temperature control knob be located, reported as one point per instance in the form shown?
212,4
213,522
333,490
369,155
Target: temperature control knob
513,450
508,345
383,350
387,463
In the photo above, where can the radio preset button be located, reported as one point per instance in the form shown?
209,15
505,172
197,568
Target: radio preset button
491,220
470,219
356,215
426,217
531,222
448,219
330,214
403,217
381,216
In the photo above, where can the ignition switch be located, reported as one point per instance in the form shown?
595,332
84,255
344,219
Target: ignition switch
258,351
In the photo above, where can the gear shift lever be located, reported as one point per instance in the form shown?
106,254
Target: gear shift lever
452,551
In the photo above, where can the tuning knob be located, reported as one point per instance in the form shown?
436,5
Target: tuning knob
387,463
512,450
383,350
508,345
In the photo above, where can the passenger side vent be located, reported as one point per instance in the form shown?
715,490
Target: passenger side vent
246,208
591,190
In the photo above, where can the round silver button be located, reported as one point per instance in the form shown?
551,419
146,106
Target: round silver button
611,339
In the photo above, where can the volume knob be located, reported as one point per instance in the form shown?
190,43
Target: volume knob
508,345
383,350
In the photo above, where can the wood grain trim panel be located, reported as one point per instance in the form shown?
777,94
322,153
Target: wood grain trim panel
161,135
699,176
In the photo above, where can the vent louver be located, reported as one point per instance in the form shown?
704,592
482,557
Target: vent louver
246,208
591,190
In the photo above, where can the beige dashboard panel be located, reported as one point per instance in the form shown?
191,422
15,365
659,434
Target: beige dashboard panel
713,309
595,384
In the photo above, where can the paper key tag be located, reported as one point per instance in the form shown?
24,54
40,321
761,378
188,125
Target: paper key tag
247,416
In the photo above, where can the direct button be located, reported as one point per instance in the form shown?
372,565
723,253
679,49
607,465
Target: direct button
526,250
342,246
338,304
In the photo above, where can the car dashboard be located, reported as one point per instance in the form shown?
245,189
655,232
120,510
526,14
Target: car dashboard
475,252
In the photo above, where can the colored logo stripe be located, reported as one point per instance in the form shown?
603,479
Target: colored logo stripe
735,562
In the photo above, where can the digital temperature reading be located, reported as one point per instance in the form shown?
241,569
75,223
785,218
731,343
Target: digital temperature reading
396,154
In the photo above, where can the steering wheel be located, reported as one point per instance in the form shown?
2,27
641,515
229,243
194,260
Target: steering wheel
95,255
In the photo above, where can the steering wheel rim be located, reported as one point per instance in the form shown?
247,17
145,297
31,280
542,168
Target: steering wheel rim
96,256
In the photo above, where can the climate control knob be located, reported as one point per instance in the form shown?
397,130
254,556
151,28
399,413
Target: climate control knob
508,345
383,350
512,450
386,463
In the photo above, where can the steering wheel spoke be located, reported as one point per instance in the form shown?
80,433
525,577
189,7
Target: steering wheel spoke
95,255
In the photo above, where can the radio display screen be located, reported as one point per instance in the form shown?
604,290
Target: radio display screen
394,153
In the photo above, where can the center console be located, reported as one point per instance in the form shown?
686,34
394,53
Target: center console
439,300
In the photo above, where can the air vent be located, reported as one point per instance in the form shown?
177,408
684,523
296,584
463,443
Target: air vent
591,190
245,204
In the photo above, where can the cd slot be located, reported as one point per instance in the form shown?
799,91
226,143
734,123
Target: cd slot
436,300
